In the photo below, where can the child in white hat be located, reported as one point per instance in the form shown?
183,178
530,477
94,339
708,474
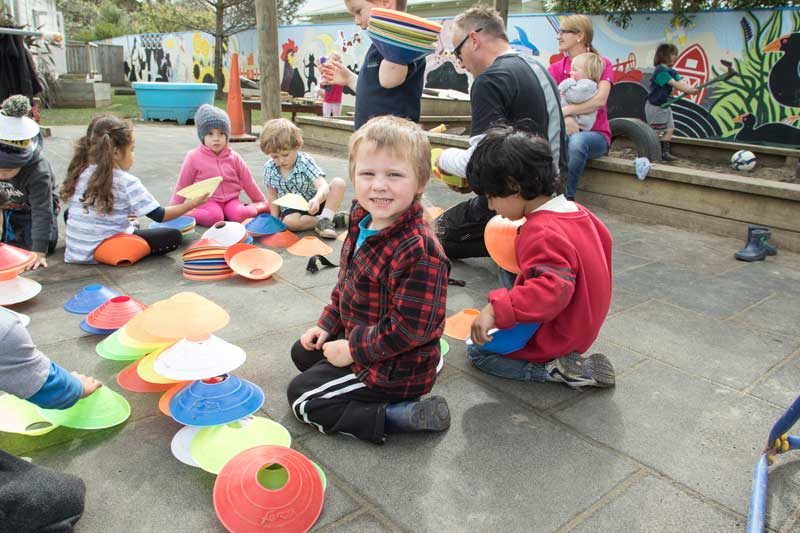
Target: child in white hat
27,188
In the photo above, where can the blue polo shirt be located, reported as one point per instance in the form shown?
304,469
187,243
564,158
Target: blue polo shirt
372,100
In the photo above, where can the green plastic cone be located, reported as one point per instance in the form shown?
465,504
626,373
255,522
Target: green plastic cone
104,408
214,446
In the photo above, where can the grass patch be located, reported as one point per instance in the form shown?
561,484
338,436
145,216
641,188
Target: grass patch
122,106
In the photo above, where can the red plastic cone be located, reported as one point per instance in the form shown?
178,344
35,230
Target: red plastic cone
235,109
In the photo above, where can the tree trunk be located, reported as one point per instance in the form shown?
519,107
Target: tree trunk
268,64
218,39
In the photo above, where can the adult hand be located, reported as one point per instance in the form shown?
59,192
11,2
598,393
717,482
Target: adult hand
40,261
482,325
89,384
338,353
314,338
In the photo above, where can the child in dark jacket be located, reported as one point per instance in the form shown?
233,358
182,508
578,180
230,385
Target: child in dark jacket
28,199
375,350
33,498
564,257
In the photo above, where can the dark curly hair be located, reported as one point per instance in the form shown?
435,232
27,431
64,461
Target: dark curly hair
508,161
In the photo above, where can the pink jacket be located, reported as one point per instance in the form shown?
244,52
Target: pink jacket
202,163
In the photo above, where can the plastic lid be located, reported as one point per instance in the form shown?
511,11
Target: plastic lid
122,250
215,401
115,313
506,341
17,290
292,201
226,233
235,249
129,379
20,416
243,504
95,331
13,257
458,326
283,239
216,445
163,402
198,189
256,263
185,314
181,443
89,298
500,235
198,359
104,408
265,224
148,373
308,246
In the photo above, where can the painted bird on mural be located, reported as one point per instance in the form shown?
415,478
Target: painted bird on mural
522,40
784,78
772,133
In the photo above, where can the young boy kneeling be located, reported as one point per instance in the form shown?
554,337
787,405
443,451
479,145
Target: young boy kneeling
564,255
375,348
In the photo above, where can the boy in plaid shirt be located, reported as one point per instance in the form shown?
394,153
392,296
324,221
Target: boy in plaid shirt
291,171
375,350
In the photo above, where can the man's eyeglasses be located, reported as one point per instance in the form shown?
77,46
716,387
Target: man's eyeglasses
567,31
457,49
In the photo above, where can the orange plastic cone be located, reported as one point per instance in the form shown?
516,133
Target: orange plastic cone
458,326
235,109
500,236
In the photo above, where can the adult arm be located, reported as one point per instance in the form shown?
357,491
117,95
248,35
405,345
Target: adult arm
40,198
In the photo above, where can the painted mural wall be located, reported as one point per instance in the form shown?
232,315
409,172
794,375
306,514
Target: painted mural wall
761,103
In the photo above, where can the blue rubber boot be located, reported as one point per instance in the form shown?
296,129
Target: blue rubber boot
754,250
430,414
771,250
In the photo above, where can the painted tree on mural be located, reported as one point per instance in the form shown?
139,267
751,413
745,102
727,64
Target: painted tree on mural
761,54
620,11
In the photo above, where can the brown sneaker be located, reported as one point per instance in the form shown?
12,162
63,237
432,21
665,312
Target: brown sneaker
326,229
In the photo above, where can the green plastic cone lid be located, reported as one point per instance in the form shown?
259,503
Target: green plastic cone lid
214,446
104,408
20,416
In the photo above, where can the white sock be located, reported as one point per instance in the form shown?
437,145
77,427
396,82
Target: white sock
326,213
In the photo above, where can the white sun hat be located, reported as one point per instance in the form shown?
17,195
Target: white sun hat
14,124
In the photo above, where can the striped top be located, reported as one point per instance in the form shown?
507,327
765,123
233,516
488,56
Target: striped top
86,228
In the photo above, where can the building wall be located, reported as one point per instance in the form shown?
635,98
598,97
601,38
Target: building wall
761,104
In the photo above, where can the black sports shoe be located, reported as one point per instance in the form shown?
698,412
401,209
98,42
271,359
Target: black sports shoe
430,414
576,371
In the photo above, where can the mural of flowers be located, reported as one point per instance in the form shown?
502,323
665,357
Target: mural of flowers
748,92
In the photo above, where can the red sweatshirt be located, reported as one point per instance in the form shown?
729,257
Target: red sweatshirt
565,283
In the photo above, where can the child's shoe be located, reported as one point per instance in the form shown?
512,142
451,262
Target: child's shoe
261,207
430,414
576,371
325,228
341,219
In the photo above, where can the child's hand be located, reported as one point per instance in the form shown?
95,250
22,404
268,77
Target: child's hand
200,200
335,73
89,384
693,90
313,206
40,261
314,338
482,325
338,353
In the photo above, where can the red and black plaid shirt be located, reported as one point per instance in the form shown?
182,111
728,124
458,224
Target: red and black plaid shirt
390,301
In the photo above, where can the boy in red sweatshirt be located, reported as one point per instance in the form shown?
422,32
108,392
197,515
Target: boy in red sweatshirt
564,255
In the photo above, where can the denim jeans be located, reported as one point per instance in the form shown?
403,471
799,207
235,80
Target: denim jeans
581,147
502,366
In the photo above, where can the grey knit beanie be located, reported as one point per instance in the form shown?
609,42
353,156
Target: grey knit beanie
208,117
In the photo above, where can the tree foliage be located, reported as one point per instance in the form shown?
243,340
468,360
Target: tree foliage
620,11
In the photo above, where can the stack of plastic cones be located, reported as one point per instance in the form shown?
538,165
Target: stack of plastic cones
15,289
